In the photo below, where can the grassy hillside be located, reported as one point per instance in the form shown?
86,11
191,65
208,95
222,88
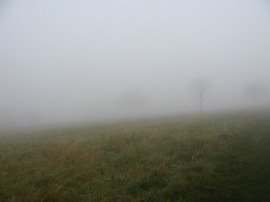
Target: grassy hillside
212,158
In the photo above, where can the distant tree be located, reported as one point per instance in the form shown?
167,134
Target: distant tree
198,88
256,91
133,100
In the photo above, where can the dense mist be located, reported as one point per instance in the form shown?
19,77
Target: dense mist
64,61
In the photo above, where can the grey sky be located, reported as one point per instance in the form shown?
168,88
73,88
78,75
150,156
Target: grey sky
66,60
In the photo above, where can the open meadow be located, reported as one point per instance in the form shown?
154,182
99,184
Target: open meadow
134,101
215,157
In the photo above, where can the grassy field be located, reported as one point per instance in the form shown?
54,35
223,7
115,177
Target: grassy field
221,157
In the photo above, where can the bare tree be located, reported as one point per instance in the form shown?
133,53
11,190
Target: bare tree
256,91
199,88
133,100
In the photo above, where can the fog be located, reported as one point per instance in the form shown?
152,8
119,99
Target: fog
63,61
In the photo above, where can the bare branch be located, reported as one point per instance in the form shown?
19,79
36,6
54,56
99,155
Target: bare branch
199,87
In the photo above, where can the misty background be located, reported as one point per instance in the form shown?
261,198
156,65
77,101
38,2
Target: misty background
64,60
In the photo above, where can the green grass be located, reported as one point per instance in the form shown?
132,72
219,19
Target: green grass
222,157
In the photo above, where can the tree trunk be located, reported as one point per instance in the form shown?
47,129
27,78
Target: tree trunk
201,103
